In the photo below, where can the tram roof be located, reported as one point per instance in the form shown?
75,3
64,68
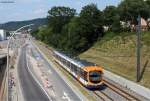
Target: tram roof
78,63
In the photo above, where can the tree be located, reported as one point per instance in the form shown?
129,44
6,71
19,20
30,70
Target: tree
59,16
71,39
42,33
78,35
34,33
110,14
148,4
91,23
116,26
130,9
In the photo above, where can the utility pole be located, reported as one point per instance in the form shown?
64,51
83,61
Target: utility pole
138,49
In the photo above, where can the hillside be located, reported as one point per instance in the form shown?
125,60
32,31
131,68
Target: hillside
10,26
116,53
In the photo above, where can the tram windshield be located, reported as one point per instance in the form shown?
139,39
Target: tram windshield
95,76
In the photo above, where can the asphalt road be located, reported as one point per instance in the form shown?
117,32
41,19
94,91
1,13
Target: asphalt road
30,89
61,90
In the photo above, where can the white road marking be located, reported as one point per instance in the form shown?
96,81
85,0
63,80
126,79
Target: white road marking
37,81
65,96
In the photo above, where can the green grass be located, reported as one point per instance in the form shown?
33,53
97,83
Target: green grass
146,38
117,53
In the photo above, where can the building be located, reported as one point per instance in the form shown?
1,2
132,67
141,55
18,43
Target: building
144,25
2,35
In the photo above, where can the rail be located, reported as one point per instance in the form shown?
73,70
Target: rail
124,94
120,91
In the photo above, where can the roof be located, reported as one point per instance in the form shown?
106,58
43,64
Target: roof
143,22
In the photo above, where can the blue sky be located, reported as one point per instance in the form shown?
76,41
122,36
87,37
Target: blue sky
30,9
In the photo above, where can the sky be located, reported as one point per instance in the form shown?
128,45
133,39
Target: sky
31,9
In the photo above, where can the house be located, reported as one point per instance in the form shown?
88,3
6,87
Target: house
144,25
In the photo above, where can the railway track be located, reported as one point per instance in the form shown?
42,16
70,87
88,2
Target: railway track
103,96
115,91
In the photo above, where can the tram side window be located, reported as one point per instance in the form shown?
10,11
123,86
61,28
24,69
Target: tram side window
57,56
73,68
76,69
83,74
63,61
68,64
54,55
60,59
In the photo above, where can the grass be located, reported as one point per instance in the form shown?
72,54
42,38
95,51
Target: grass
84,91
117,53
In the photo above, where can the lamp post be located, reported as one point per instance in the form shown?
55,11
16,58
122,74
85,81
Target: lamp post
7,68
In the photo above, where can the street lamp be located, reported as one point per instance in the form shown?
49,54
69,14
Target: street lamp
12,35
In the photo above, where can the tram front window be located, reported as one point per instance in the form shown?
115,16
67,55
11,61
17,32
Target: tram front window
95,76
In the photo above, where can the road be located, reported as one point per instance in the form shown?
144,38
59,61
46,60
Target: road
60,89
30,89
